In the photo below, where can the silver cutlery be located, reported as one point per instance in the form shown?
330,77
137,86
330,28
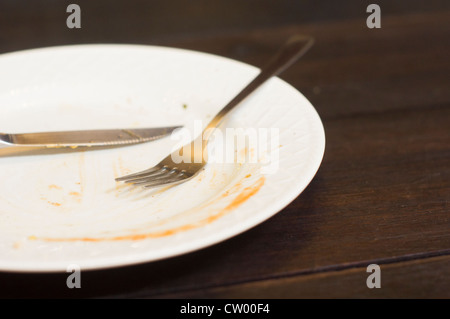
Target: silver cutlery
87,138
188,164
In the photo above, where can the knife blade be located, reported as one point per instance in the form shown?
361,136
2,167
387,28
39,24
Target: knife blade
87,138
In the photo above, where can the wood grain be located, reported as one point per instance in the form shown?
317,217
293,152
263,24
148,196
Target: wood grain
398,280
352,69
382,192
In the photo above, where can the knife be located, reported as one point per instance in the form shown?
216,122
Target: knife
89,138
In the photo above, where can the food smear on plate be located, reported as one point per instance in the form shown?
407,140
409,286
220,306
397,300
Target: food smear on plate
54,203
238,200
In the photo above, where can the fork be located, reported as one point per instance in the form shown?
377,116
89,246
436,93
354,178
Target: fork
188,161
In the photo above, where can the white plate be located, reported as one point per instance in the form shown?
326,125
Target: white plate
62,209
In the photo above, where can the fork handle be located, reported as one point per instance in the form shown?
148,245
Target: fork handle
292,50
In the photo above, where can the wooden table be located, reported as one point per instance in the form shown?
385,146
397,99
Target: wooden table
382,193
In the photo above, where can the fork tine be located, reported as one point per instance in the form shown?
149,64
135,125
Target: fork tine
173,181
144,177
138,174
162,181
151,178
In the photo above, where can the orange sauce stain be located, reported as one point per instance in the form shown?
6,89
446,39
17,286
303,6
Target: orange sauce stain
119,170
76,196
53,186
162,190
17,245
201,176
81,166
123,169
54,203
237,201
118,185
116,173
242,156
213,181
252,153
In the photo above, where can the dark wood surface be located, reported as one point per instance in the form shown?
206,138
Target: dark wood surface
382,193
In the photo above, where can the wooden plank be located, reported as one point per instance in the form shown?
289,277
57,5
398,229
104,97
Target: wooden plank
423,279
352,69
42,22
